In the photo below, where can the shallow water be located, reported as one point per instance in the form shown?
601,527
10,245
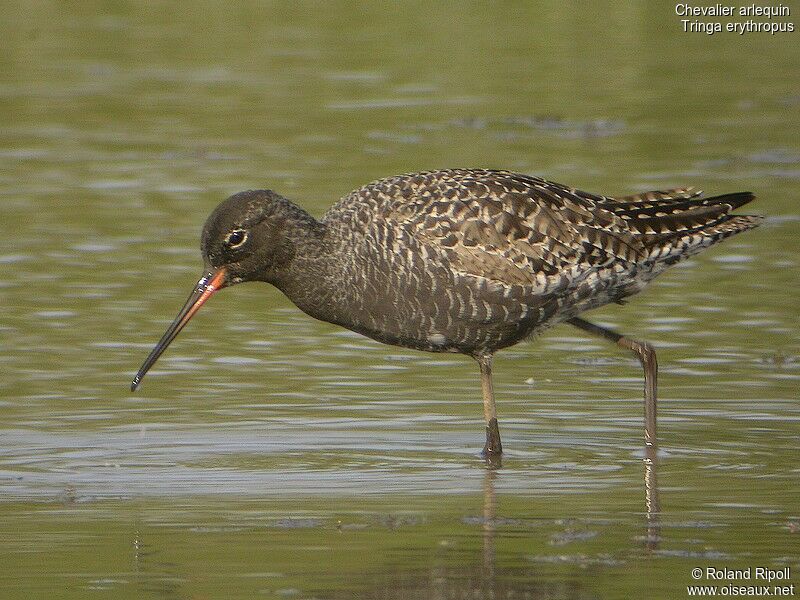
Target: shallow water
270,455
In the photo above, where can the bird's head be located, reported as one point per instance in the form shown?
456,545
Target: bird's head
246,238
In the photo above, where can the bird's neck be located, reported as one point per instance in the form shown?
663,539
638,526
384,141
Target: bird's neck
310,278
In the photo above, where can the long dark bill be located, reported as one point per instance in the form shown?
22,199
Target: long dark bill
208,284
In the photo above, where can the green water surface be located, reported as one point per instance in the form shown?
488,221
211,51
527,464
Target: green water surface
272,456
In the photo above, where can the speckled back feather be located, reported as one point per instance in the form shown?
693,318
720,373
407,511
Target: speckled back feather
513,226
515,250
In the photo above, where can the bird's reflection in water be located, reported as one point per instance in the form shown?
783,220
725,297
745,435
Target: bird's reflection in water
489,524
462,578
651,498
480,564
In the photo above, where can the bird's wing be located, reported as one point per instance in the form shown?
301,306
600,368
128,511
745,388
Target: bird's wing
506,227
516,229
659,196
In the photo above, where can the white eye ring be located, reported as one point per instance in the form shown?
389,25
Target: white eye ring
236,238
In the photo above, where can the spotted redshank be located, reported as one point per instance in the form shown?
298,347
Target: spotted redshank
464,260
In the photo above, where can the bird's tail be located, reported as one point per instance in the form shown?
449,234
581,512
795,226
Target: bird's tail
676,224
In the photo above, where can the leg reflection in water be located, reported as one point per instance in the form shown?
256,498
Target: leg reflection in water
651,499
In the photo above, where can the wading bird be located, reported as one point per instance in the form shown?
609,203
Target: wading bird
463,260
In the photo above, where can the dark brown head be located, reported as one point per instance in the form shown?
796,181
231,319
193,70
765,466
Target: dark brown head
248,237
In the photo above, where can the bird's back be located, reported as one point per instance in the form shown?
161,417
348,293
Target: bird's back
492,256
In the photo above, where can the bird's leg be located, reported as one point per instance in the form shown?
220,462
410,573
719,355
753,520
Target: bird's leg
647,357
493,445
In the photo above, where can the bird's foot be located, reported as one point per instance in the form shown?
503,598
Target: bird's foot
493,447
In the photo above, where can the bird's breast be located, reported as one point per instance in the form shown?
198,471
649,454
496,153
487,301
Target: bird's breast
396,290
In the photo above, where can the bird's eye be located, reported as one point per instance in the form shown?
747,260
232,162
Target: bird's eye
236,238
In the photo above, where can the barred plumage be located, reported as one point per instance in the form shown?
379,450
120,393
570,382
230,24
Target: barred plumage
518,252
462,260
